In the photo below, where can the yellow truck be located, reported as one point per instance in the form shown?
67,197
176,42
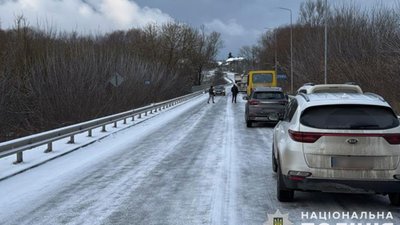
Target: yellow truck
261,78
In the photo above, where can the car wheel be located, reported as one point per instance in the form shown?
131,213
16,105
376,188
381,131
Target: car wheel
283,194
394,199
249,123
274,166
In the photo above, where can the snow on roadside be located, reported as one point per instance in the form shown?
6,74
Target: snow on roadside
36,156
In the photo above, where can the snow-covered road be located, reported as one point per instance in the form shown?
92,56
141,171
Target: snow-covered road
195,164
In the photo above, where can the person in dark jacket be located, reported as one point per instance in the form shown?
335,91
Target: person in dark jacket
235,91
211,94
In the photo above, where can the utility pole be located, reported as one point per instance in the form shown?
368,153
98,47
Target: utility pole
291,48
276,50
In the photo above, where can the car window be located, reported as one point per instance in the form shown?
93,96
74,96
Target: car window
354,117
268,95
290,110
302,91
262,78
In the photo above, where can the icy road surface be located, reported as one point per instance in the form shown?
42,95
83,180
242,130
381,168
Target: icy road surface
195,164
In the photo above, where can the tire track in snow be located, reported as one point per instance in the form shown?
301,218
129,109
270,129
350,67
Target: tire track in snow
224,205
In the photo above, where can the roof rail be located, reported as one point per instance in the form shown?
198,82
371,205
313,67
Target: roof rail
375,95
304,96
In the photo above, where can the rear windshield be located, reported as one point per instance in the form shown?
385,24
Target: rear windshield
363,117
262,78
268,95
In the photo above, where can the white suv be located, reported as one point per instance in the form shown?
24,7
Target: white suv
337,142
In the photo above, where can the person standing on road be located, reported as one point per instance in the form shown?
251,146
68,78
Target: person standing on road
211,94
235,91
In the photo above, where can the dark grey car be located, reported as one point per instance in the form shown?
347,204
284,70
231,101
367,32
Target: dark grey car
265,104
220,90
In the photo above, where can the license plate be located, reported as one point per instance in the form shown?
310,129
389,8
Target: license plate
352,162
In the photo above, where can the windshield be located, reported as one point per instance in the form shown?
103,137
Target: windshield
262,78
362,117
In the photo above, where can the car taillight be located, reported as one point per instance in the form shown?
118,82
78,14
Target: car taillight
282,102
310,137
305,137
254,102
393,139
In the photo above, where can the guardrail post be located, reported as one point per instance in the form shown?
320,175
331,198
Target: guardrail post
133,118
90,133
140,116
103,129
115,124
124,120
49,147
155,110
71,139
145,114
19,158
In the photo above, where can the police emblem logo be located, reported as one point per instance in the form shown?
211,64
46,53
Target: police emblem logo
278,219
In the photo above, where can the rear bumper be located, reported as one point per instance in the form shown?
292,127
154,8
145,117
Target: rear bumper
343,186
265,115
263,118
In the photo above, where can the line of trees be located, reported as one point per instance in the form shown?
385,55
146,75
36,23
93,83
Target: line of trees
50,79
363,47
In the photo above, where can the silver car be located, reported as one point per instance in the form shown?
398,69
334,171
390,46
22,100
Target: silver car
265,104
220,90
337,142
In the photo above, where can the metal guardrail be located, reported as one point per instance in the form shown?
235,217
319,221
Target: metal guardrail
18,146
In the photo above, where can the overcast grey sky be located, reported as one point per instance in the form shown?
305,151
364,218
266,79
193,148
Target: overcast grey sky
239,21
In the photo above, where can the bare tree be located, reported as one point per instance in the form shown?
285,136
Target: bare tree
50,79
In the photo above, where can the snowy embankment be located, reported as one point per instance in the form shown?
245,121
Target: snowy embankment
36,156
230,77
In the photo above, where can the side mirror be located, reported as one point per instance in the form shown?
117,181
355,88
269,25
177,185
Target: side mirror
245,98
